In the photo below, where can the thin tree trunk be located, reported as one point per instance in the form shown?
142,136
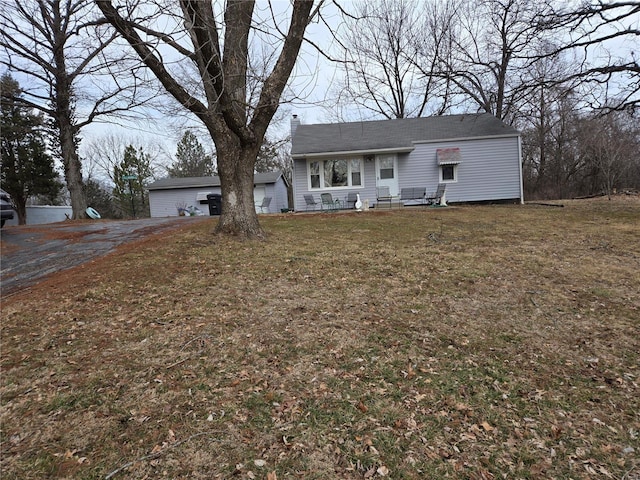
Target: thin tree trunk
20,205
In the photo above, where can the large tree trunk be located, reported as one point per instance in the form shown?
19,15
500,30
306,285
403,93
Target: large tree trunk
73,172
67,135
235,168
223,67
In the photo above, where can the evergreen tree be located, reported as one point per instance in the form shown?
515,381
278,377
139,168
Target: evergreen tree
268,159
27,169
191,159
274,156
131,178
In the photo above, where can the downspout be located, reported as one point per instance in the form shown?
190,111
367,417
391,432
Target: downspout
520,169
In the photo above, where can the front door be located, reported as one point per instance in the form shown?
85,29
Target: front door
387,173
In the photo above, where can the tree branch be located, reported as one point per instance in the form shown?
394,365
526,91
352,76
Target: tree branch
127,30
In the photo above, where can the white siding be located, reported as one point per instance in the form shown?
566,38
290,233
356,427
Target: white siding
489,169
39,214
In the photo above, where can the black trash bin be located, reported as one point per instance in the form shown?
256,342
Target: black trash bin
215,203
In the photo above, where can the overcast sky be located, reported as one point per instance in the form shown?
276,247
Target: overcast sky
309,86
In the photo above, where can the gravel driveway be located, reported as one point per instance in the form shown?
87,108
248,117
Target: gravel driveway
30,253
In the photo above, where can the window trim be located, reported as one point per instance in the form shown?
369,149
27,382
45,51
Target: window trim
448,157
321,167
455,172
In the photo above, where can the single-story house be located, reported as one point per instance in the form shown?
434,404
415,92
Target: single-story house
477,156
168,194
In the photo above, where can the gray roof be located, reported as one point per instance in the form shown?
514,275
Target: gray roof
206,182
390,135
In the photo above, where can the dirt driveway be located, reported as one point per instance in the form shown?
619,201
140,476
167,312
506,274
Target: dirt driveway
31,253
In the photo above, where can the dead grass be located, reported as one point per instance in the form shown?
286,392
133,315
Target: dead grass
469,343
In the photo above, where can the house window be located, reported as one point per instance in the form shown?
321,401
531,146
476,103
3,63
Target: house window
448,161
356,176
448,173
386,167
335,173
314,174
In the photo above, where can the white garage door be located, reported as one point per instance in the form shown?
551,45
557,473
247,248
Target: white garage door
258,196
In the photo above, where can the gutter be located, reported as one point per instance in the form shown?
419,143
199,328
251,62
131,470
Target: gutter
304,156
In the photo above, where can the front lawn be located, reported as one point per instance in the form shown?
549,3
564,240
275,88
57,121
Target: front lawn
472,342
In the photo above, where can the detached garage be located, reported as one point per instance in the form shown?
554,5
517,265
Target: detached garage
169,194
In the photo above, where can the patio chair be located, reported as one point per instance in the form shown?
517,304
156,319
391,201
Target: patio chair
436,198
310,202
351,200
266,201
328,201
383,195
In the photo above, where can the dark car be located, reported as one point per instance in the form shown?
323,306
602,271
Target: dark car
6,207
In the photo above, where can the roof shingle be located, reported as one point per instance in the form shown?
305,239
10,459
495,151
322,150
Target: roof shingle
397,134
206,182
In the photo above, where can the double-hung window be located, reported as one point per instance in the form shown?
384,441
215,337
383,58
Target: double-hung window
335,173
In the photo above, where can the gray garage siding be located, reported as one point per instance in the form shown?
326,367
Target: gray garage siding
163,202
278,191
166,193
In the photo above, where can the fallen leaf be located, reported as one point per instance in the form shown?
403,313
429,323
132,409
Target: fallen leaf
383,471
362,407
272,476
486,426
605,472
259,463
370,473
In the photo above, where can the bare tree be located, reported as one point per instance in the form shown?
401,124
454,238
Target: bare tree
551,163
391,58
218,44
544,112
609,146
493,39
378,46
605,36
61,52
102,154
435,49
